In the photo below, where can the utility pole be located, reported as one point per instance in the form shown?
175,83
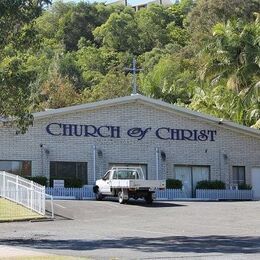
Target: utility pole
134,71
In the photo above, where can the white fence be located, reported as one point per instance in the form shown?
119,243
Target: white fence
225,194
71,193
87,193
168,194
22,191
171,194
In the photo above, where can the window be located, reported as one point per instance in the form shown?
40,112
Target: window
132,165
69,171
126,174
22,168
239,175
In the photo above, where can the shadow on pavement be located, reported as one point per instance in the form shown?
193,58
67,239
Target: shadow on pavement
142,203
200,244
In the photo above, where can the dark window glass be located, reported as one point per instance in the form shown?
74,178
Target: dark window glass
239,175
69,170
22,168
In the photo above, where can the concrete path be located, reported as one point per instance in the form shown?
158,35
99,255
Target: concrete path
14,252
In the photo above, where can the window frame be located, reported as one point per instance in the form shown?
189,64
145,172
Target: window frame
21,167
56,166
238,180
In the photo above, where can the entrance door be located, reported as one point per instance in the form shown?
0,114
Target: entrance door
183,173
199,174
190,176
255,174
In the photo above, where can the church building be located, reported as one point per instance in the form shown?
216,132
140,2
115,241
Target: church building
167,141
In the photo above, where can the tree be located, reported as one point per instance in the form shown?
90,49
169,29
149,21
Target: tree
114,84
170,80
152,23
79,22
207,13
17,35
57,92
234,54
119,32
232,60
14,15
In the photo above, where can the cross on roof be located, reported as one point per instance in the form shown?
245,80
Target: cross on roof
134,71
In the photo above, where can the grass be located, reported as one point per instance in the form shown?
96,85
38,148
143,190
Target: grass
11,211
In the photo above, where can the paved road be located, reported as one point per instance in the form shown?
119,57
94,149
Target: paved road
106,229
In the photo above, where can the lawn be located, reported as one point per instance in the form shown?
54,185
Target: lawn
11,211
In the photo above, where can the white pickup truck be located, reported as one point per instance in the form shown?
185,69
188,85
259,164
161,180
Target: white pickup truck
126,183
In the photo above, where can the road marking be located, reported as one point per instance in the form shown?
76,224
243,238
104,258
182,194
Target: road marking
59,205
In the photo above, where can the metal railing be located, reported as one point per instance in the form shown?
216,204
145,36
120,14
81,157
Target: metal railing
22,191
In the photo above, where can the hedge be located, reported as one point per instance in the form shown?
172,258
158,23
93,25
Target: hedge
173,184
211,185
38,179
244,187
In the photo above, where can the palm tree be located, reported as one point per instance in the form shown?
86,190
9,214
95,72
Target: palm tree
234,58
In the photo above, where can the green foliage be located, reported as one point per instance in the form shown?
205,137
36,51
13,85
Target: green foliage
39,179
200,54
169,80
15,14
244,187
211,185
173,184
119,32
207,13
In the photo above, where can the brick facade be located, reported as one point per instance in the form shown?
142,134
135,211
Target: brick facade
231,146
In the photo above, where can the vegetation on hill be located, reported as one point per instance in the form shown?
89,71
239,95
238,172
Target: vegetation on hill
204,55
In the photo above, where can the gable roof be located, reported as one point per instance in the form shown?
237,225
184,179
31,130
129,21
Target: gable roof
158,104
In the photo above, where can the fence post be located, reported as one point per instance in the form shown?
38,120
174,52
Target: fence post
16,188
31,195
43,200
4,194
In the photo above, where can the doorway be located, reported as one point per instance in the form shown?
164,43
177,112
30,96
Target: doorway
255,177
190,176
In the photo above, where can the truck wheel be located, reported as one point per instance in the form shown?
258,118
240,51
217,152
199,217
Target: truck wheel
121,197
98,195
148,198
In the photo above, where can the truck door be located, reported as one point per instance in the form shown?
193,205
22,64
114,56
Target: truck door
105,187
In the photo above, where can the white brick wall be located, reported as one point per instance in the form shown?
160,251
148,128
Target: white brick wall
241,149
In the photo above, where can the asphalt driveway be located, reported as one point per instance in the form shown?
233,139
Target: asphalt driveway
106,229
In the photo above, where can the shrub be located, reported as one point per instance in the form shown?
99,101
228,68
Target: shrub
173,184
244,187
211,185
39,179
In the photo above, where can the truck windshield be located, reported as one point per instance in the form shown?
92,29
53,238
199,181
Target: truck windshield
127,174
